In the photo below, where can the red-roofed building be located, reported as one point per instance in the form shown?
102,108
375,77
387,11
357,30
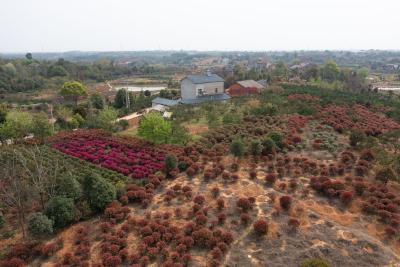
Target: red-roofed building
242,88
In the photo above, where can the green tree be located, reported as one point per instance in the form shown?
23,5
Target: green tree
280,72
68,186
40,225
155,128
120,99
72,91
237,148
97,101
98,191
17,125
28,56
56,70
330,71
147,93
105,119
41,126
3,114
61,210
179,134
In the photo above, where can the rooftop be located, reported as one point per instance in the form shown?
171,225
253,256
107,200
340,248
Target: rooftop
206,78
206,98
250,83
165,101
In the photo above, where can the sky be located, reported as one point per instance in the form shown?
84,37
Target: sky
251,25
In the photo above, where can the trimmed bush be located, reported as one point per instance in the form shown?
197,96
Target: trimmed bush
244,204
256,148
260,227
285,202
99,192
269,146
237,148
40,225
171,162
346,197
68,186
277,138
61,211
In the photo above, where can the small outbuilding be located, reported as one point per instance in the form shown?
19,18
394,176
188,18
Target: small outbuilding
243,88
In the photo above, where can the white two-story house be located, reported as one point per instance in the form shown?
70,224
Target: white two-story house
202,88
197,89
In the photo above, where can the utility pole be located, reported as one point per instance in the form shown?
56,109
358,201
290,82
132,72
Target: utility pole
127,100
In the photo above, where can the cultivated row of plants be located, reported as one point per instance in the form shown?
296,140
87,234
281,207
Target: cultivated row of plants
126,157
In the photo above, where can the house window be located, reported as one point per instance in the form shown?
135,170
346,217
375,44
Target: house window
200,91
216,90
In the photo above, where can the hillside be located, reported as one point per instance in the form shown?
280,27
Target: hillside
271,180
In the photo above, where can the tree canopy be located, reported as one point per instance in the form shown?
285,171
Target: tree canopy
72,90
155,128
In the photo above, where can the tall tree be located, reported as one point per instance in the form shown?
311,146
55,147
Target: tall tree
41,126
16,126
14,186
330,71
97,101
33,163
72,91
120,99
155,128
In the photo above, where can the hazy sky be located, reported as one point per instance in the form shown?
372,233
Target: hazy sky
104,25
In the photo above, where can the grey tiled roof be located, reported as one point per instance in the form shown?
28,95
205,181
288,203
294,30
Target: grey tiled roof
250,83
205,98
204,78
165,101
263,82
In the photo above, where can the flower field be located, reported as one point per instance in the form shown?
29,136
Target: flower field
357,117
128,158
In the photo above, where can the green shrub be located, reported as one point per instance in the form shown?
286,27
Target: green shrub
124,124
183,165
2,220
171,162
237,148
385,174
356,137
61,210
267,109
40,225
99,192
256,148
315,262
277,138
68,186
230,117
269,145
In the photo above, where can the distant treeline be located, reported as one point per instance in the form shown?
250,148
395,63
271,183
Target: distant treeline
29,74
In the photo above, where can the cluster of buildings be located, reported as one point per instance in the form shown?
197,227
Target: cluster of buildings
207,87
